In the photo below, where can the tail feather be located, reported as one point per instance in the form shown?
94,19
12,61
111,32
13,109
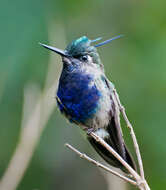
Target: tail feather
114,138
104,153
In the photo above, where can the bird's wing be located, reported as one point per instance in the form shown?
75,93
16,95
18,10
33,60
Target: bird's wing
113,136
114,127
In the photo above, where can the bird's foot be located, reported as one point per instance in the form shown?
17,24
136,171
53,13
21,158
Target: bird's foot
90,130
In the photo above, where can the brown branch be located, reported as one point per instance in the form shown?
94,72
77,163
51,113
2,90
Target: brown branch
136,146
84,156
122,109
116,155
31,130
139,181
30,134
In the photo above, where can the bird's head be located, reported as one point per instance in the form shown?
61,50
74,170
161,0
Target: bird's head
80,51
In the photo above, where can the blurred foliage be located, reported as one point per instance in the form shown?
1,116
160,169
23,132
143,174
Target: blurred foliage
136,65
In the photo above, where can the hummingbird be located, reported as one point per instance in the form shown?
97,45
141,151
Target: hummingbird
85,97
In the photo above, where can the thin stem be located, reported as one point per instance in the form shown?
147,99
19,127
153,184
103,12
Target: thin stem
113,152
122,109
84,156
32,128
140,180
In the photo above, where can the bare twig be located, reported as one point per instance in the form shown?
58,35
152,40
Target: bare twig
29,137
141,184
84,156
116,155
139,181
122,109
31,130
136,146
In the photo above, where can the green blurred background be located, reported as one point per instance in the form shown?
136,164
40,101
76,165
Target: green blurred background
136,64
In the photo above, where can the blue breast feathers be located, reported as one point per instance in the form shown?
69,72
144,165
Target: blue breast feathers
78,99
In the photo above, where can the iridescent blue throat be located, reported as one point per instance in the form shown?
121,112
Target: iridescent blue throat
80,100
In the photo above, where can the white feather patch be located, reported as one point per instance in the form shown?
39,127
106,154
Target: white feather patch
102,133
102,116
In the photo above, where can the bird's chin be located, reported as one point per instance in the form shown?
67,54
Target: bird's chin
66,60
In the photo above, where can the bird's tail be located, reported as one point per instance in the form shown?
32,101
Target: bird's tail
113,136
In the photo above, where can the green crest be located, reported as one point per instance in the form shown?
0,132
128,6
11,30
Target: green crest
80,46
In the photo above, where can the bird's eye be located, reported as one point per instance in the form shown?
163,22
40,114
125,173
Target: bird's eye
84,58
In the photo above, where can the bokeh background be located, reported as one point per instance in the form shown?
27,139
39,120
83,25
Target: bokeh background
136,64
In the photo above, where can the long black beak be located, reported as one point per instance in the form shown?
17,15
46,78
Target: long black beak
58,51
